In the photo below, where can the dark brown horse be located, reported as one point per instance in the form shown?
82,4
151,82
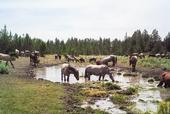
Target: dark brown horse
58,56
92,60
82,60
69,58
34,59
98,70
165,79
133,61
66,70
106,60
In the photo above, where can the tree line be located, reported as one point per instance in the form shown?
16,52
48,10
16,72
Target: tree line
138,42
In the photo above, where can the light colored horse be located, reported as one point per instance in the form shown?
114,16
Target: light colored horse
110,58
66,70
8,58
98,70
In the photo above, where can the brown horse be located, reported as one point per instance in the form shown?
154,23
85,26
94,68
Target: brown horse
58,56
106,60
98,70
34,59
66,70
92,60
69,58
82,60
133,61
165,80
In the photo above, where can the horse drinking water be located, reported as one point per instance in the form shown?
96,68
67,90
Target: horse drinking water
66,70
98,70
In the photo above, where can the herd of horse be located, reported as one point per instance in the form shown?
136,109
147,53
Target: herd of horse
101,68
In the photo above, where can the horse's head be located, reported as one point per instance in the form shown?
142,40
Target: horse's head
98,62
76,74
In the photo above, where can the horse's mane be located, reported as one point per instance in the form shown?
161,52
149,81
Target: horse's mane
72,69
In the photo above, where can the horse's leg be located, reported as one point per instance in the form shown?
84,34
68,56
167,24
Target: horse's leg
12,64
111,77
100,77
160,83
89,77
6,63
103,77
68,78
62,75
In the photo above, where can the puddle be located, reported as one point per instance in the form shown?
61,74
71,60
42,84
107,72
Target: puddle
105,105
146,100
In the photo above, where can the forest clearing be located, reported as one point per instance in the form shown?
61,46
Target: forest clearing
40,90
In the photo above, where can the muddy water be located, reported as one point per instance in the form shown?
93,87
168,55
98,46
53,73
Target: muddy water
105,105
146,100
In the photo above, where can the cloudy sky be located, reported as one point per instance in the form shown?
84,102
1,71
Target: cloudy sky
48,19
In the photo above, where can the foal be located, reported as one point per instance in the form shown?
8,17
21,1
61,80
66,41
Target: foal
66,70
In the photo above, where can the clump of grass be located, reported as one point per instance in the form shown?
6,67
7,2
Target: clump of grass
3,68
111,86
94,93
129,91
164,108
119,99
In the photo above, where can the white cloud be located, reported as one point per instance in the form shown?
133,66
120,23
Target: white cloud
84,18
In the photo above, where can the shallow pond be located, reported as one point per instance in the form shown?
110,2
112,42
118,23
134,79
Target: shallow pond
147,99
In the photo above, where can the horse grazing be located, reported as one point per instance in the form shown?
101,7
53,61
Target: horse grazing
34,59
82,60
58,56
98,70
69,58
111,58
75,59
66,70
8,57
92,60
165,79
133,61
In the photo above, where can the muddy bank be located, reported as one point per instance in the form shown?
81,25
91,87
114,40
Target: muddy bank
146,72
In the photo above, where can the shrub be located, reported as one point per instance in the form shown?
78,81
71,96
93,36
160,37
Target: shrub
3,68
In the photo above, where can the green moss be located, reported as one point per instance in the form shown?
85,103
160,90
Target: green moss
119,99
111,86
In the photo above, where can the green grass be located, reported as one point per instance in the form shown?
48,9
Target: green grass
111,86
26,96
164,108
119,99
149,62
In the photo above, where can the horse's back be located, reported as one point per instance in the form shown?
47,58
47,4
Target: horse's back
166,76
